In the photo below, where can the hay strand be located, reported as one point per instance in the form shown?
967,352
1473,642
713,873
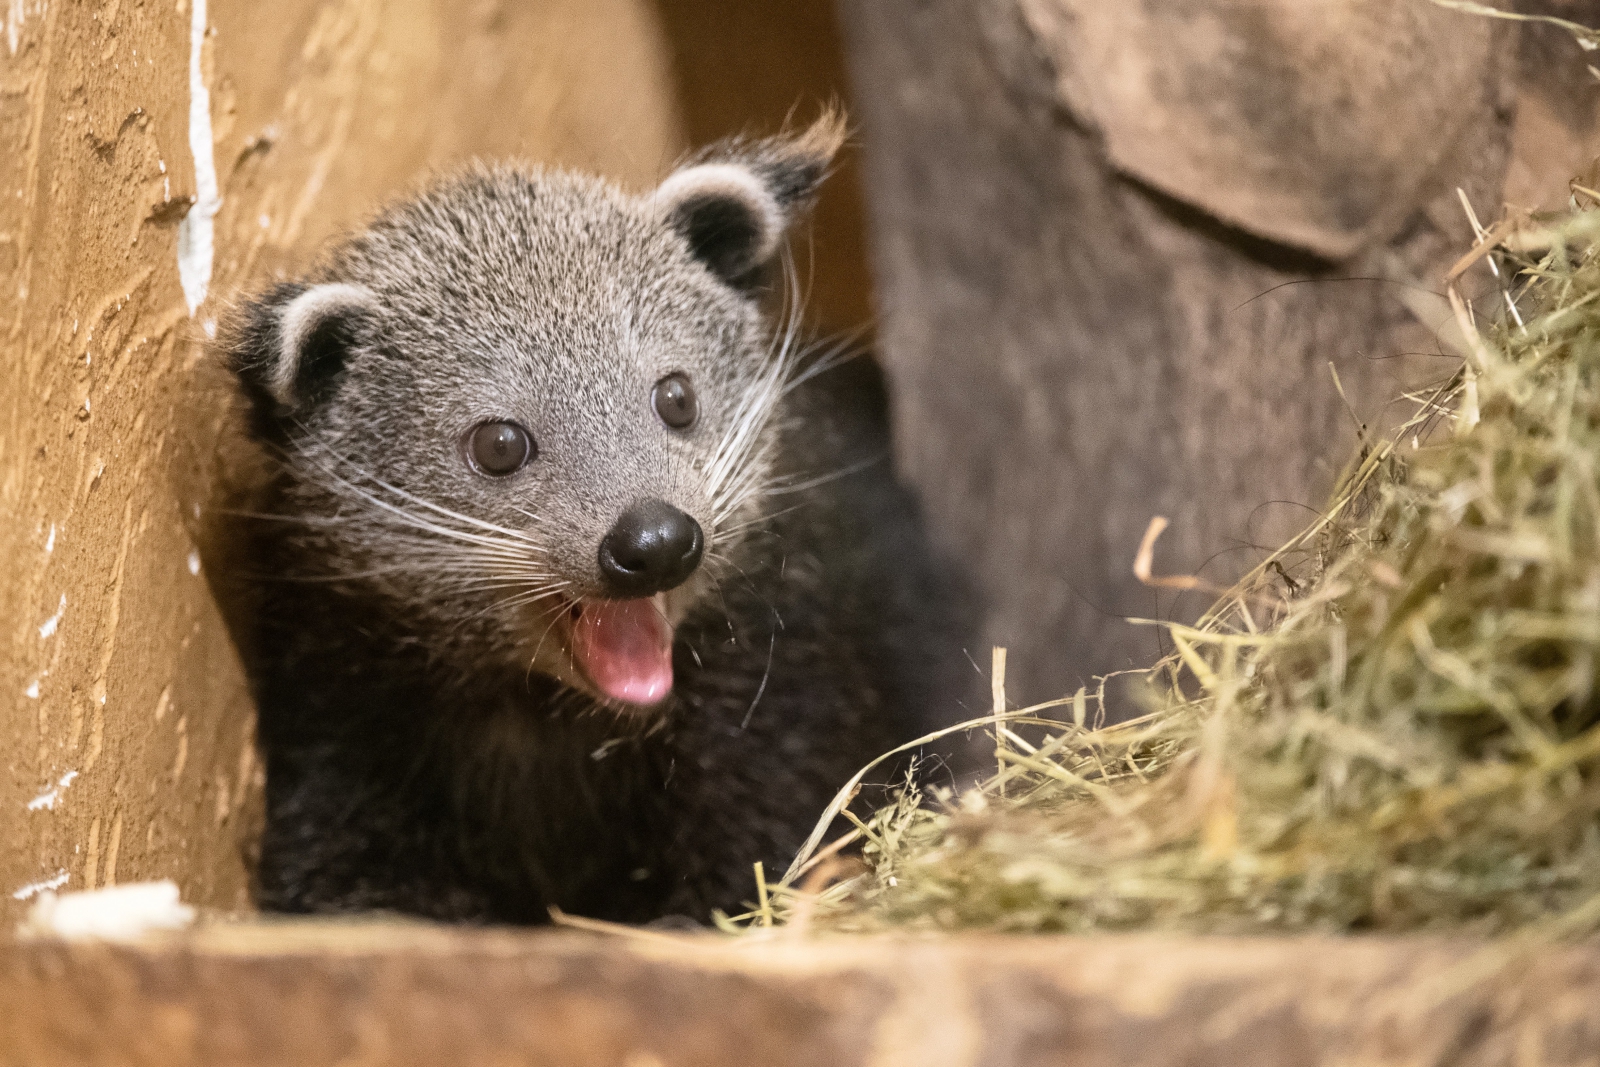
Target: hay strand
1392,724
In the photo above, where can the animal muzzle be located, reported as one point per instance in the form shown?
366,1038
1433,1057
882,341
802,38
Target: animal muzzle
652,547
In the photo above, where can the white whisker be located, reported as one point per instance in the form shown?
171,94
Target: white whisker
402,534
428,525
824,479
760,398
515,535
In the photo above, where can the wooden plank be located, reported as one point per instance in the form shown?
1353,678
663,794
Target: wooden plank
311,993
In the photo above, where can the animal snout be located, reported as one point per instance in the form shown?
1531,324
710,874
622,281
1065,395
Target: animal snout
652,547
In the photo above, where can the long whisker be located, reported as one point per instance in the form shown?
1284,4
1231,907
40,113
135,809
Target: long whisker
474,580
531,596
538,648
759,400
829,357
739,472
728,531
421,537
420,501
824,479
420,523
342,520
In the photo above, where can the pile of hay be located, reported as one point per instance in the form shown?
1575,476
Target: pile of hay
1408,738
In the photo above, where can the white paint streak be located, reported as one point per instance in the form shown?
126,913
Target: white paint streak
194,562
32,692
117,913
33,889
46,801
48,628
195,250
16,15
50,542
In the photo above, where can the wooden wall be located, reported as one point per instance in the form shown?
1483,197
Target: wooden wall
125,725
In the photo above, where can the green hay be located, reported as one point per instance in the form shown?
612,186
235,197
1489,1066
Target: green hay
1407,739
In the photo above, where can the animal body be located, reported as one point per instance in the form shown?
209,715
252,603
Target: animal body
580,586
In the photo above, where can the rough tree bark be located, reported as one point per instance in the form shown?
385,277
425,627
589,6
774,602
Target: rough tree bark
1117,247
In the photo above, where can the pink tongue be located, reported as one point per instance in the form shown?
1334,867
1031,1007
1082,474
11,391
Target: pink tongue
625,647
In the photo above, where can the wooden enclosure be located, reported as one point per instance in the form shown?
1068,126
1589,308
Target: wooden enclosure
1080,333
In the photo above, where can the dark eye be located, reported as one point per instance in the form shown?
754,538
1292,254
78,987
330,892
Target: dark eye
675,402
499,448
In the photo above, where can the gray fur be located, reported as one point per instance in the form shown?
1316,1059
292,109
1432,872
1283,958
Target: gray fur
556,300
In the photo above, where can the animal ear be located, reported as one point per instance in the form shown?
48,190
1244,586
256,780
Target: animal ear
735,200
289,345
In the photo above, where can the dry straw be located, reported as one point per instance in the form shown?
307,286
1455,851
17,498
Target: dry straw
1406,738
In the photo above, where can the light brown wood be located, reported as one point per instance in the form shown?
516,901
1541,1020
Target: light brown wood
308,995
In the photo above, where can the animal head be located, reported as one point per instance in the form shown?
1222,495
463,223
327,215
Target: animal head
533,408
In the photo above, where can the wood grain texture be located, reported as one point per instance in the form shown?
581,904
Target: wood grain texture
117,671
307,995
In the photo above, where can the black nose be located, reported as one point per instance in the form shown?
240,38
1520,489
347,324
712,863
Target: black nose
653,546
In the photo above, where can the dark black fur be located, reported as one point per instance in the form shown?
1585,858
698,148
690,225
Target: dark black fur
381,795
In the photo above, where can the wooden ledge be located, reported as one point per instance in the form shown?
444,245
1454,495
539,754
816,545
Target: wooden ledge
312,993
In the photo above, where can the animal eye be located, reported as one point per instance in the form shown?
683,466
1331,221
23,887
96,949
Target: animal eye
499,448
675,401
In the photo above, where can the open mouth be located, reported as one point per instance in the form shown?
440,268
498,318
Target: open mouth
623,647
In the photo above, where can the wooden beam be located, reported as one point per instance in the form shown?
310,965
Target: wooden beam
309,993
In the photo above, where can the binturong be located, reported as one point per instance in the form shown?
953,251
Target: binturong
582,582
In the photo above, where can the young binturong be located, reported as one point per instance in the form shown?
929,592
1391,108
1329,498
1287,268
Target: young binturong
581,585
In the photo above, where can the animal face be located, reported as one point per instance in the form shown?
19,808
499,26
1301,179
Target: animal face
535,412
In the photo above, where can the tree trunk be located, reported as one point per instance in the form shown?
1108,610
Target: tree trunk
1118,248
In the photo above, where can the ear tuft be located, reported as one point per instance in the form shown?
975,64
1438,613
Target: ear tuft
289,345
736,199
